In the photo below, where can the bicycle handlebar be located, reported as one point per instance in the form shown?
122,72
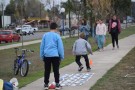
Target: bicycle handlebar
24,50
28,50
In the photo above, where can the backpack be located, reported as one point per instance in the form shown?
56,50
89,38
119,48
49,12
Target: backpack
7,86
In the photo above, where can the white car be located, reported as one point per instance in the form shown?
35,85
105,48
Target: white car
26,29
35,29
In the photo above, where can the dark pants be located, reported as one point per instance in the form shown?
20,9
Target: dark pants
55,62
86,37
86,60
114,39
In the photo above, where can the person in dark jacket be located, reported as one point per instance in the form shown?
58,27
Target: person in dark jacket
114,29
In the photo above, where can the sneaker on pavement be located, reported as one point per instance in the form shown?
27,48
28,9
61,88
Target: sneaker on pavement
58,86
80,68
46,87
118,46
88,69
100,50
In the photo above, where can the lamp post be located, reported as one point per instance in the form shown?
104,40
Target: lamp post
62,12
79,12
89,12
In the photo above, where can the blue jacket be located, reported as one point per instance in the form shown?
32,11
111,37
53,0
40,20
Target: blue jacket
51,46
85,29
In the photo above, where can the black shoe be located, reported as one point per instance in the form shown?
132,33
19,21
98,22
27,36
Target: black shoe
46,87
80,68
58,86
88,69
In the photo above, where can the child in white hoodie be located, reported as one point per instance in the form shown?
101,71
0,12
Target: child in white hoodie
80,48
101,32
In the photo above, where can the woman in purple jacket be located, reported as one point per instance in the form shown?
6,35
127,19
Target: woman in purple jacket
114,29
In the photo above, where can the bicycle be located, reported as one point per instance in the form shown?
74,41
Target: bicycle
21,63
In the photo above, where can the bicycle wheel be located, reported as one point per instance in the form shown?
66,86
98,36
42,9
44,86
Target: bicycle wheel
24,68
16,67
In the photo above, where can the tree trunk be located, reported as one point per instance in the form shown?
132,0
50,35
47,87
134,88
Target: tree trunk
85,11
69,23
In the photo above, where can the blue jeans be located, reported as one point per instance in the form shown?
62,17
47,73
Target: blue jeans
100,41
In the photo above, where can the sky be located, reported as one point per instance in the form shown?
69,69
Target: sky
7,1
56,1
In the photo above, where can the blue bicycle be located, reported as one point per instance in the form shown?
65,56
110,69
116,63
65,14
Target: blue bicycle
21,63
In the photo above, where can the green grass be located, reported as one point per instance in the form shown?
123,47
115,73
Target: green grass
37,68
115,78
3,44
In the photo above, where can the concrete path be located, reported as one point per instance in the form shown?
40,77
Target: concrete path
102,62
24,43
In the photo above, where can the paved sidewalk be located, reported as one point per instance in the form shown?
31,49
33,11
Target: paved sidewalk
25,43
102,62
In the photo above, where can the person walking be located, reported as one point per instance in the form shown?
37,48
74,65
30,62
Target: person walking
80,48
95,36
101,32
114,29
52,52
85,29
95,25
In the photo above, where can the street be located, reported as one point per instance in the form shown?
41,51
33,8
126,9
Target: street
37,35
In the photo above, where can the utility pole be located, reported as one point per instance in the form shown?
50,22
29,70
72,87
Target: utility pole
85,10
40,10
22,21
53,12
2,4
69,18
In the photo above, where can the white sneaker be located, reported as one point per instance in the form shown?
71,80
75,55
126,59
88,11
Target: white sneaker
58,86
46,87
100,50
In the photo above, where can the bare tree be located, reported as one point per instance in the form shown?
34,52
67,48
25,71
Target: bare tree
100,8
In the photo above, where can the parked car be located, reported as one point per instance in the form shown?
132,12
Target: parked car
26,29
9,36
35,29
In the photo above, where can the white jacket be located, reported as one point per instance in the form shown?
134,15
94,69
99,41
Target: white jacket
101,29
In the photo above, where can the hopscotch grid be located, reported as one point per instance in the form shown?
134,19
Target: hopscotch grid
76,79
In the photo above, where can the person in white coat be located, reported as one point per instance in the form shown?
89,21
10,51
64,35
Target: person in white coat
101,32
